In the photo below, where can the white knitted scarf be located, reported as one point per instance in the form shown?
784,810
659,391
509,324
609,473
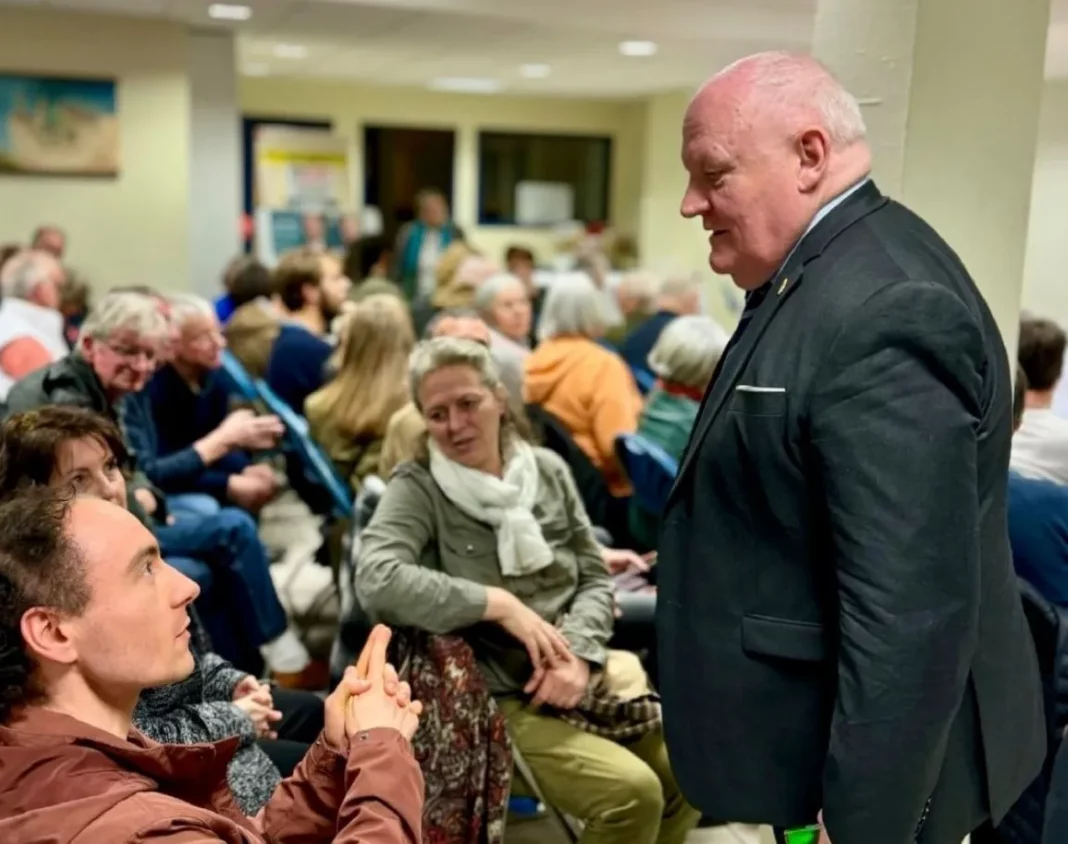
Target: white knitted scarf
506,504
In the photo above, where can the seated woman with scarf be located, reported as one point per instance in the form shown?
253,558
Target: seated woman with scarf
485,535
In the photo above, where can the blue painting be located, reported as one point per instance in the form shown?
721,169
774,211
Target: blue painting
58,126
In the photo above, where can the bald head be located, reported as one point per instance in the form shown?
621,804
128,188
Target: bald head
787,89
768,142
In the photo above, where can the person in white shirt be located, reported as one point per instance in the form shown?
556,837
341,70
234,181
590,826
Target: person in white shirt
31,326
1040,447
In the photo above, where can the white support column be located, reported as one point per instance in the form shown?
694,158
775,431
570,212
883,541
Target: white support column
215,160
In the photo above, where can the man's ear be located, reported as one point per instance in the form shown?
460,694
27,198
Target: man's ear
44,632
813,147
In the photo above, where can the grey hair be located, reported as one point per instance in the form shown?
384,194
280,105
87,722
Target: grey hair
448,313
490,288
26,270
573,306
123,310
791,78
431,355
643,285
679,284
688,350
185,306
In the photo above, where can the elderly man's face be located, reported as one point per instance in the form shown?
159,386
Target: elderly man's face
123,361
744,184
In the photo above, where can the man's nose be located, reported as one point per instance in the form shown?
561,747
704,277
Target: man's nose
694,204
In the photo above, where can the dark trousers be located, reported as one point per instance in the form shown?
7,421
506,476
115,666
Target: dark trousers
224,555
302,721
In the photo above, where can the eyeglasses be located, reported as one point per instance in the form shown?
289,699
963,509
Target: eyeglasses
133,352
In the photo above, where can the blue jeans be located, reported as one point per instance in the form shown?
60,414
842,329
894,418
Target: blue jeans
193,504
224,553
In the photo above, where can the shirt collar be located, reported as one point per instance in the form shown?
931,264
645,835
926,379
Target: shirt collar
820,216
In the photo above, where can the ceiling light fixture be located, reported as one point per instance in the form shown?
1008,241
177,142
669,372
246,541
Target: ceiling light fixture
534,71
638,48
466,85
291,51
229,12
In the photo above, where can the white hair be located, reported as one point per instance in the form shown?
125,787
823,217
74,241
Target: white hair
688,350
641,285
790,79
573,306
431,355
185,306
117,311
491,288
678,285
27,269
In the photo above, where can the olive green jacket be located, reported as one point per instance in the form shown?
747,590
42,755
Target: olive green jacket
425,563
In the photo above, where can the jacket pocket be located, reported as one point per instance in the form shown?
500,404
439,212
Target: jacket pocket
757,402
805,641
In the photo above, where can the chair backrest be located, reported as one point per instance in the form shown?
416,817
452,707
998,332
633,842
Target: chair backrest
316,463
591,485
235,371
644,379
651,470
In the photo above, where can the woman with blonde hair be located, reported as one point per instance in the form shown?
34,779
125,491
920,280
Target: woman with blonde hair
349,415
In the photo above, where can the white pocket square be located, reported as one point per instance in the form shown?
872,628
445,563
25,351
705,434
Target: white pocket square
749,388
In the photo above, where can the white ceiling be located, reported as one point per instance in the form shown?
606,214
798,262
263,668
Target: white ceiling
412,42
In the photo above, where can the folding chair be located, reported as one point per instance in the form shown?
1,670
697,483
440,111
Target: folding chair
651,470
233,369
644,379
315,463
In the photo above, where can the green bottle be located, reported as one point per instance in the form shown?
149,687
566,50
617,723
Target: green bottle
803,835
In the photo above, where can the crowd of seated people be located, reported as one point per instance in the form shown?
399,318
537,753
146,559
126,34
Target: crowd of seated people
142,415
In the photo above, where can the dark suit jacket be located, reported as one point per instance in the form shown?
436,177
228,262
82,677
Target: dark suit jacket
838,617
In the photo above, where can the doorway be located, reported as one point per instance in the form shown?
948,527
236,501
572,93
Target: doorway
398,163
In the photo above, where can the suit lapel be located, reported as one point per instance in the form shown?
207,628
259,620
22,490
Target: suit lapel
866,200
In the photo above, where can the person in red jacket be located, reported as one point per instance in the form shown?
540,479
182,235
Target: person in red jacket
90,616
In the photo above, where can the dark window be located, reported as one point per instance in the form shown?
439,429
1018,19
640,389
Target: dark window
552,172
398,163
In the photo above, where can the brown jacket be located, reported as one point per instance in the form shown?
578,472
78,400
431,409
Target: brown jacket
65,782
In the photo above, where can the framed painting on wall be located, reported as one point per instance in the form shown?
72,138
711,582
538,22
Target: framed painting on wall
59,127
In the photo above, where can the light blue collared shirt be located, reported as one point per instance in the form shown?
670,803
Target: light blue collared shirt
820,215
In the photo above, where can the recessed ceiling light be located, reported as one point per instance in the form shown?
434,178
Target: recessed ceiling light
256,69
229,12
291,51
466,84
638,48
534,71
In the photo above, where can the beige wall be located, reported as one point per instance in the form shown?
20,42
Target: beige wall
667,241
1045,289
133,228
351,107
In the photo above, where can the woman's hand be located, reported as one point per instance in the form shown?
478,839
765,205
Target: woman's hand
544,643
619,560
249,685
562,686
261,714
147,500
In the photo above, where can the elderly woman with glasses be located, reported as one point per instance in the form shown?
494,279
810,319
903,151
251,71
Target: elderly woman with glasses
484,534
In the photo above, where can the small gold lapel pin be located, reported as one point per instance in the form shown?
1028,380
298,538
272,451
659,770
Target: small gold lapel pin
782,286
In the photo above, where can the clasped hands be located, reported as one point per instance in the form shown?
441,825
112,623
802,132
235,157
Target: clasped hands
560,678
370,695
